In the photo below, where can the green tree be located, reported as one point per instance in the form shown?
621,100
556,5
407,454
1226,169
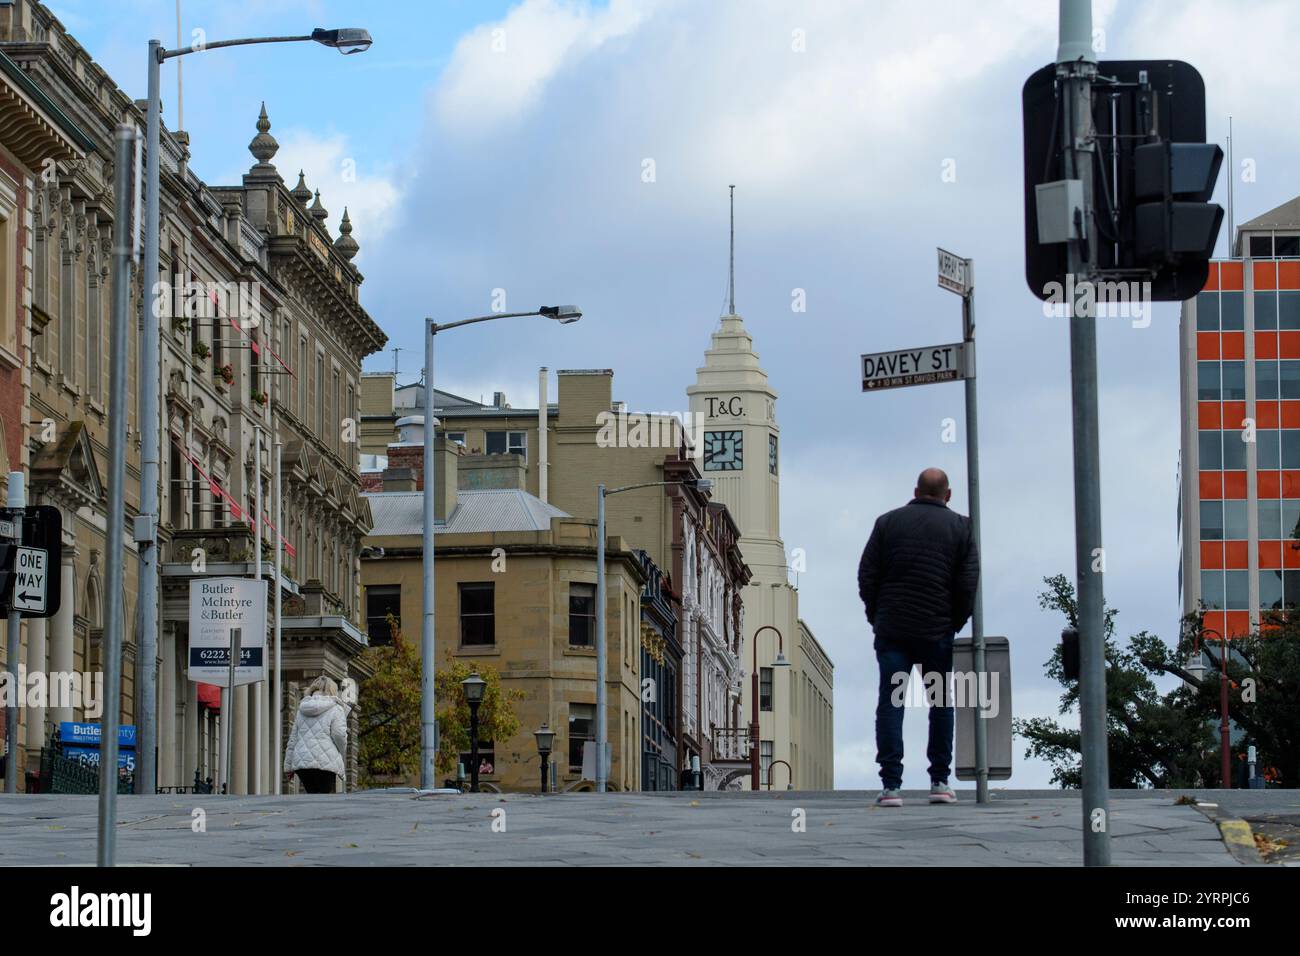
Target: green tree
1154,739
388,711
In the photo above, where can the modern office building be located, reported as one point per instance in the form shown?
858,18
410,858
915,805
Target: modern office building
1239,474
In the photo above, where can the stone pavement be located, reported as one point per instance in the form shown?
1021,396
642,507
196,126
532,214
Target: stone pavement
1038,828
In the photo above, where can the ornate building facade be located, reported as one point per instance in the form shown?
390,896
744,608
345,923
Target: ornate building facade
262,340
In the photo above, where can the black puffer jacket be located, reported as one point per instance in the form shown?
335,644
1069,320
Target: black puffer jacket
918,573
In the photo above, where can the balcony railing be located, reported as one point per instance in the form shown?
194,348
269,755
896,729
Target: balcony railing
729,743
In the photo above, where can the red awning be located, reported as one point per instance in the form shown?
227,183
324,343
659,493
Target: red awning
236,511
210,696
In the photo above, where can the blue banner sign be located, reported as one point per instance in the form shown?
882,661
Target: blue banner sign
88,735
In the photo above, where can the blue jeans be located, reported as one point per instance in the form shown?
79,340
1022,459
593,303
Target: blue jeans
899,658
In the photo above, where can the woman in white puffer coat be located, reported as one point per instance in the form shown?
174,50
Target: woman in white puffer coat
319,737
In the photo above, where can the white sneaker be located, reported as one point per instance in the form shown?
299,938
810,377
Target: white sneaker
890,798
942,793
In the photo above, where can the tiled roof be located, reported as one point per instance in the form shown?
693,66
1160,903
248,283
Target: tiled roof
482,510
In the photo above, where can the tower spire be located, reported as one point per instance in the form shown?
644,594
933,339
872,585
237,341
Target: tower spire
731,269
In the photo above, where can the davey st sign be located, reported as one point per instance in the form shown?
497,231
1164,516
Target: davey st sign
923,366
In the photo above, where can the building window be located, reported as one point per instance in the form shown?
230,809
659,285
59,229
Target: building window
1207,381
771,454
1261,247
1270,590
508,443
455,437
477,615
1211,449
1231,311
1236,590
320,395
381,602
1211,520
582,727
94,333
1267,449
1234,451
1266,379
487,759
1234,381
765,762
1270,519
582,614
1207,312
765,688
1265,311
1288,310
1234,520
67,320
8,284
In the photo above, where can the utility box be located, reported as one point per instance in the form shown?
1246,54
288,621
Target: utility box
1057,203
992,694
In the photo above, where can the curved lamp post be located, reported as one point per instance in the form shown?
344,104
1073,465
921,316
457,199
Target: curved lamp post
753,726
564,314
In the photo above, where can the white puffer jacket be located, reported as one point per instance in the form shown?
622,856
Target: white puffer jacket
319,736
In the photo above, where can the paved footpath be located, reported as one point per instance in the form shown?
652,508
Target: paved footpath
1019,828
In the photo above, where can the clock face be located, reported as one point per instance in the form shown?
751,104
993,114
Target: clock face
724,451
771,454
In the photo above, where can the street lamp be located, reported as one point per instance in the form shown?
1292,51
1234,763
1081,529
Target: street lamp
545,741
753,731
145,532
474,686
602,731
564,314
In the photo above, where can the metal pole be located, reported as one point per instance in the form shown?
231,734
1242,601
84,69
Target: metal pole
255,692
229,703
601,731
754,770
428,702
120,322
17,501
1077,65
473,748
277,758
150,448
973,497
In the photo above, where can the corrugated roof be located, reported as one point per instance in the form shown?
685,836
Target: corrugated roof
477,511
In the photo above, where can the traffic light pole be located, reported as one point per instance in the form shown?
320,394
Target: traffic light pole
1076,68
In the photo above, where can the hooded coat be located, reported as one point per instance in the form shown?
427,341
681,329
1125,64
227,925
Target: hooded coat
319,736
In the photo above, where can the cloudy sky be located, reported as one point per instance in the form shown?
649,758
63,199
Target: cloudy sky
485,145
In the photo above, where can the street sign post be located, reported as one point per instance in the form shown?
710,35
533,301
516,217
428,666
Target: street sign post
904,367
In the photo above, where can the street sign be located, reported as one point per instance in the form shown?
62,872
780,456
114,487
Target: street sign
43,530
923,366
30,580
954,273
219,606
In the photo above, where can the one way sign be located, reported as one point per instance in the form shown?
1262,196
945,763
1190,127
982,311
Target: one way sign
31,579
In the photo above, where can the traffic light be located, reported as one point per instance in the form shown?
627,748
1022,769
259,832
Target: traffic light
1174,221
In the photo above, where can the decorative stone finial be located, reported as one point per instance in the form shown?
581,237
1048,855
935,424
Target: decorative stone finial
300,192
263,146
345,244
318,211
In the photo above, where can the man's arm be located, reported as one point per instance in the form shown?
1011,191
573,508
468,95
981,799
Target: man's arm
968,576
869,572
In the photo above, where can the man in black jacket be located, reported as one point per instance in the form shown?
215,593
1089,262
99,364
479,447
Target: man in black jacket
917,580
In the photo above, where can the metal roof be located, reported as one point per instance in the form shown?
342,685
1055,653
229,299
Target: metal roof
480,510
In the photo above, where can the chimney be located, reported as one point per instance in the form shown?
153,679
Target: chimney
479,472
405,471
584,394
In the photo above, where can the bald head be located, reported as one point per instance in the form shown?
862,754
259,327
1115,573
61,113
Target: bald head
933,483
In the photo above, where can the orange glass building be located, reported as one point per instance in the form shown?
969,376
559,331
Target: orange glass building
1239,475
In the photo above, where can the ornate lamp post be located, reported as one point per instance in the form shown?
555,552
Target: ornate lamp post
474,686
545,741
